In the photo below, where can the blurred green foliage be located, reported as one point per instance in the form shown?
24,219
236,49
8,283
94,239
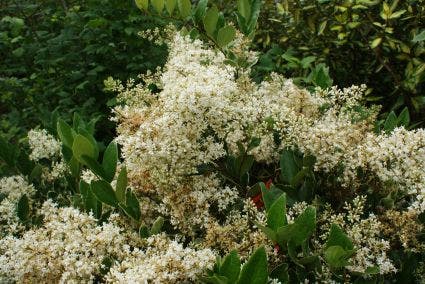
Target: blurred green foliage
56,54
378,43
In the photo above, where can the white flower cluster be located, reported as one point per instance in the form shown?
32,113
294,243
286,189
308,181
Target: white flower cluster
164,261
43,145
11,190
206,110
68,247
370,250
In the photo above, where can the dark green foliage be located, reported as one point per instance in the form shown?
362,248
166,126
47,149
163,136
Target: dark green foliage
56,55
378,43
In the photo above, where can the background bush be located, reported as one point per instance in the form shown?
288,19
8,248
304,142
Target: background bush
379,43
56,54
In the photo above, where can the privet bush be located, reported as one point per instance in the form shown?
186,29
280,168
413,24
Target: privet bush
56,54
216,178
375,42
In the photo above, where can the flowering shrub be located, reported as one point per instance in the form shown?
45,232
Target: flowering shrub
343,201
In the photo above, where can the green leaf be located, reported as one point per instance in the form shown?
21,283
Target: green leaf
404,117
336,256
157,225
74,167
231,266
210,20
244,8
87,134
255,13
225,35
299,231
170,5
267,231
288,166
376,42
144,232
158,5
8,152
82,146
281,273
132,206
270,195
23,208
185,8
104,192
337,237
65,133
110,160
322,27
215,279
254,270
419,37
200,10
276,215
121,185
142,4
418,102
89,200
390,122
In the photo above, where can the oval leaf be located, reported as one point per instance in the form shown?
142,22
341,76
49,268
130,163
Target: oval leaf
254,270
231,266
109,162
225,35
82,146
158,5
185,8
170,5
142,4
104,192
210,20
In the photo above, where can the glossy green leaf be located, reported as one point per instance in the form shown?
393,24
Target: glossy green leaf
185,8
231,266
270,195
104,192
144,232
376,42
142,4
288,166
157,225
121,185
276,215
110,160
404,117
210,20
244,8
201,8
82,146
65,133
225,35
158,5
132,206
170,5
89,200
390,122
337,237
419,37
336,256
255,270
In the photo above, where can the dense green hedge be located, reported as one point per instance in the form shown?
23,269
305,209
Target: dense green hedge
378,43
56,54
